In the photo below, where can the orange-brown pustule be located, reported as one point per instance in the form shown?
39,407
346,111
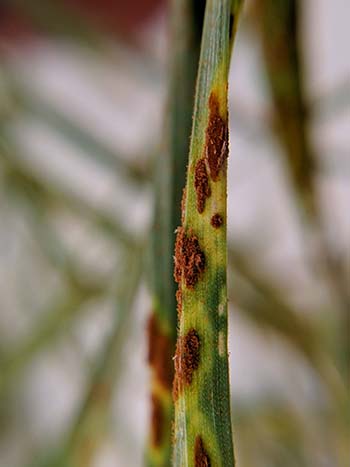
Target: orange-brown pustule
187,358
216,140
189,258
201,458
201,184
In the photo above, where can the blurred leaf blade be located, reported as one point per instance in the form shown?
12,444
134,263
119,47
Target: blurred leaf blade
279,23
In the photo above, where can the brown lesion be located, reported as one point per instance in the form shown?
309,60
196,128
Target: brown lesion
201,457
189,258
201,184
157,420
216,139
216,221
187,358
159,352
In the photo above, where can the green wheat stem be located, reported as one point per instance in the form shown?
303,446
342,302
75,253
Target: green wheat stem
203,434
187,20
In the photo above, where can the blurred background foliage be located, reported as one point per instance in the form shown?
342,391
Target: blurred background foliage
83,86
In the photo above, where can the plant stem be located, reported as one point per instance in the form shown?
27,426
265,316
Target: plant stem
203,433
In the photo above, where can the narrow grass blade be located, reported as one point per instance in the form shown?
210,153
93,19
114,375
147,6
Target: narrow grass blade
203,434
187,19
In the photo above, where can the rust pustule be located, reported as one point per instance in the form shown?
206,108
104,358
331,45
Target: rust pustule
201,184
216,139
157,420
201,458
190,356
186,359
189,258
159,352
216,221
